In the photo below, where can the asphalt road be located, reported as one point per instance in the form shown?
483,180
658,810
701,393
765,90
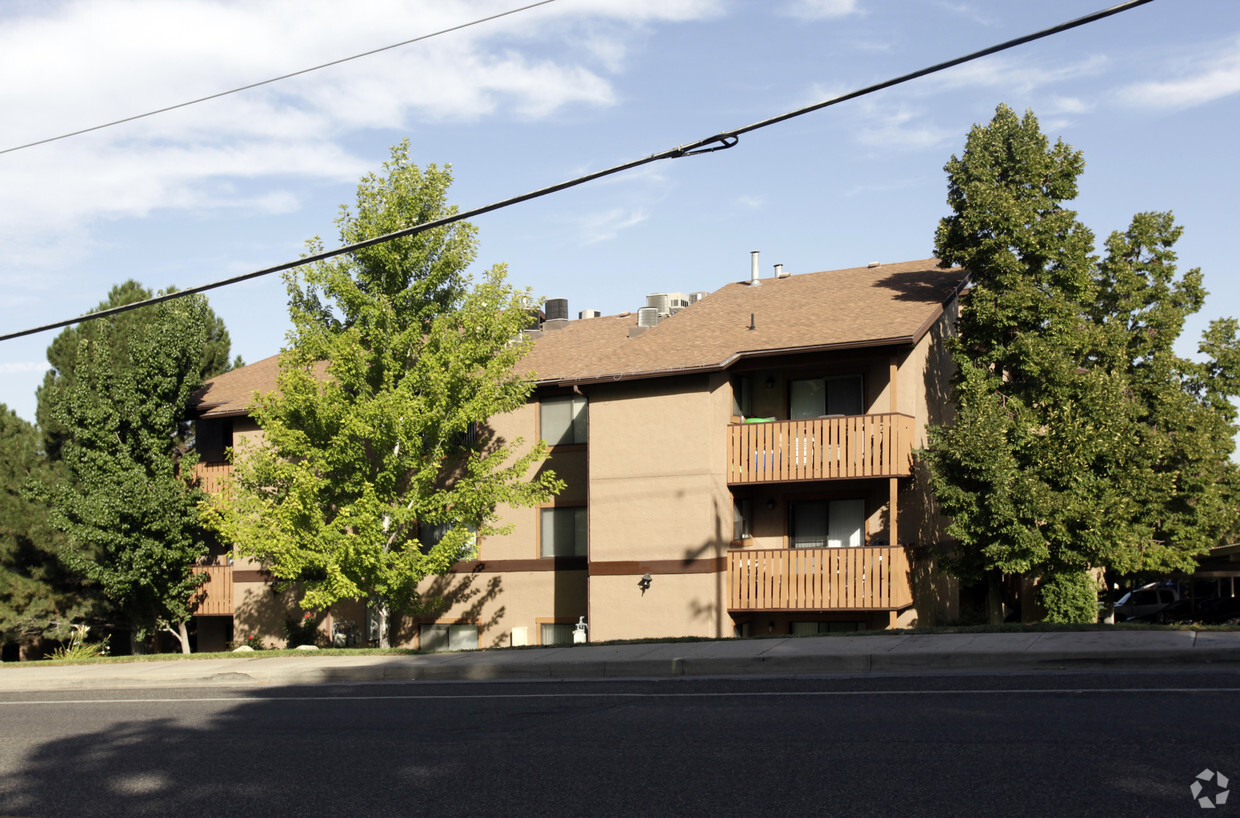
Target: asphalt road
1118,744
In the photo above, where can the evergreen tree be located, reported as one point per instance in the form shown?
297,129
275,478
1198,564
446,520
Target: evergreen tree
1082,442
63,351
37,596
416,355
128,508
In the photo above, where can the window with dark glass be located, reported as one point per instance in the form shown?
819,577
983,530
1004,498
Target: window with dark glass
742,513
563,532
563,420
826,523
742,396
815,397
431,534
437,637
213,439
556,633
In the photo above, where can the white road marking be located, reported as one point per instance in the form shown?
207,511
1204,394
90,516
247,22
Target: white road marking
721,695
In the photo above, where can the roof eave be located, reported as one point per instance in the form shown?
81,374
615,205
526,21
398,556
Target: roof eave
895,341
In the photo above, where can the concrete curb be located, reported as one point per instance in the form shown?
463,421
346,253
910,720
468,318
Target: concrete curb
789,656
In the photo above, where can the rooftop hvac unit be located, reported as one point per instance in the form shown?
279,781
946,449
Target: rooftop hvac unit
647,316
675,300
658,301
557,308
584,314
696,297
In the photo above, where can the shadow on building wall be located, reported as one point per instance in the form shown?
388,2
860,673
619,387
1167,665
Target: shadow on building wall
474,591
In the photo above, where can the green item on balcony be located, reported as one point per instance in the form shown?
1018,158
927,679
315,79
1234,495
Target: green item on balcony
759,420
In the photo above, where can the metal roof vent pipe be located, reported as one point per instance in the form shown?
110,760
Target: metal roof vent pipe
754,280
779,271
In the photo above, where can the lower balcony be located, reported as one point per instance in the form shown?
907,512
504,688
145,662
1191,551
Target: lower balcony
215,596
863,578
212,475
826,448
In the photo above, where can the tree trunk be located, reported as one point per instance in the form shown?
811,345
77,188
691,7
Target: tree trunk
182,635
994,598
381,617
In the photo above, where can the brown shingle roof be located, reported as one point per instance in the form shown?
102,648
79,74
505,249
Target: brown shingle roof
863,306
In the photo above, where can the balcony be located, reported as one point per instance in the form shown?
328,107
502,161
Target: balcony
866,578
215,596
827,448
212,475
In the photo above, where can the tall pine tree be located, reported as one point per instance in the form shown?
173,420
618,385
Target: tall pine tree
1082,441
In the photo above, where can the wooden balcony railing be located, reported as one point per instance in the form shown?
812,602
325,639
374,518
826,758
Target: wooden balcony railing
215,596
821,449
866,578
212,474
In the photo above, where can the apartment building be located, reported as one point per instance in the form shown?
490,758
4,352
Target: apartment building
736,463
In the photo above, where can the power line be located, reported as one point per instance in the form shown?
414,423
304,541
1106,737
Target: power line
710,144
275,79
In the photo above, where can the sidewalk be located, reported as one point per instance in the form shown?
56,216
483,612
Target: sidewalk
730,657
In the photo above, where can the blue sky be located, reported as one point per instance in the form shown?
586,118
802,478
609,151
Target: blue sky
240,183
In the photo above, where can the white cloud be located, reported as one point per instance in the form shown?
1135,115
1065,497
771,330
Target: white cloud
820,9
898,128
968,11
1068,105
1020,76
604,226
87,62
1200,80
751,202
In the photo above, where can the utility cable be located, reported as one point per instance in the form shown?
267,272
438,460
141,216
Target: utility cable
710,144
274,79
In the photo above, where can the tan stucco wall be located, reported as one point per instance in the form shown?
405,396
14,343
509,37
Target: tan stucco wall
499,602
674,605
659,502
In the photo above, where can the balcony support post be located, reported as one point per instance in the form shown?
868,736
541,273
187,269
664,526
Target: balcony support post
893,514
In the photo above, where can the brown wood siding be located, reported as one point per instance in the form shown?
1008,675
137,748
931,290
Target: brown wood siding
866,578
212,475
216,594
821,449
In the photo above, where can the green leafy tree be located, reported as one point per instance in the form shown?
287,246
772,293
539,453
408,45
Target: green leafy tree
1082,441
63,351
38,597
128,509
395,356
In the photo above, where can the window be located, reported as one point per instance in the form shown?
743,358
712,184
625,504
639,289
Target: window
742,513
213,438
431,534
563,420
563,532
808,628
815,397
438,637
830,523
556,633
742,396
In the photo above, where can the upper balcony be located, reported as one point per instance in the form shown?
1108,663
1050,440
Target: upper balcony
826,448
